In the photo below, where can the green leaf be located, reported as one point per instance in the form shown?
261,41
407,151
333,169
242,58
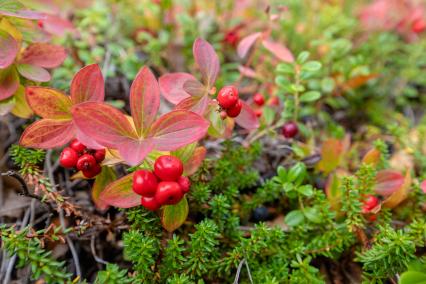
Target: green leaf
310,96
268,115
173,216
303,56
294,218
306,190
312,214
312,66
185,153
285,68
102,180
411,277
296,171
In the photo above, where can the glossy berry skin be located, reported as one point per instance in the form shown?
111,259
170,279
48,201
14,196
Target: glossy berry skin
99,155
68,158
168,168
86,162
259,99
78,146
168,193
144,183
290,129
185,183
93,171
235,110
150,203
260,214
227,97
418,26
369,203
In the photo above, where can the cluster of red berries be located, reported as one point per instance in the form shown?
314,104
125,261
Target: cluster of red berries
78,156
369,203
229,101
290,129
164,186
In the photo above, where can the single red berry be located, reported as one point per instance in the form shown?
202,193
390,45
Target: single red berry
369,203
223,115
290,129
78,146
144,183
68,158
227,97
150,203
274,101
40,24
184,183
168,192
93,171
418,26
259,99
86,162
235,110
372,218
258,112
231,38
168,168
99,155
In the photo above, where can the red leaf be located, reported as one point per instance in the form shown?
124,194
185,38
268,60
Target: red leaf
9,49
87,140
195,88
207,60
388,181
120,193
246,43
103,123
171,86
279,50
44,55
9,82
178,128
102,180
192,165
195,104
423,186
34,73
247,118
134,151
144,100
88,85
58,26
49,103
47,133
246,71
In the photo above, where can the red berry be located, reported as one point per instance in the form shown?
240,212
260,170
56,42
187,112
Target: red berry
258,112
290,129
40,24
99,155
168,168
68,158
418,26
235,110
223,115
259,99
184,183
93,171
227,97
150,203
86,162
144,183
78,146
168,192
369,203
232,38
274,101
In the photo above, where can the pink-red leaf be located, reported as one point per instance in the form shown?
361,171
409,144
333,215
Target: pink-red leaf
207,60
246,43
44,55
247,118
195,104
23,14
279,50
103,123
195,88
9,82
88,85
144,99
9,48
57,25
47,133
192,165
34,73
171,86
388,181
178,128
173,216
120,193
134,151
49,103
246,71
106,177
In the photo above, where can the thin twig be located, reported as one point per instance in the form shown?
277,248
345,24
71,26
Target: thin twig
93,248
237,276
